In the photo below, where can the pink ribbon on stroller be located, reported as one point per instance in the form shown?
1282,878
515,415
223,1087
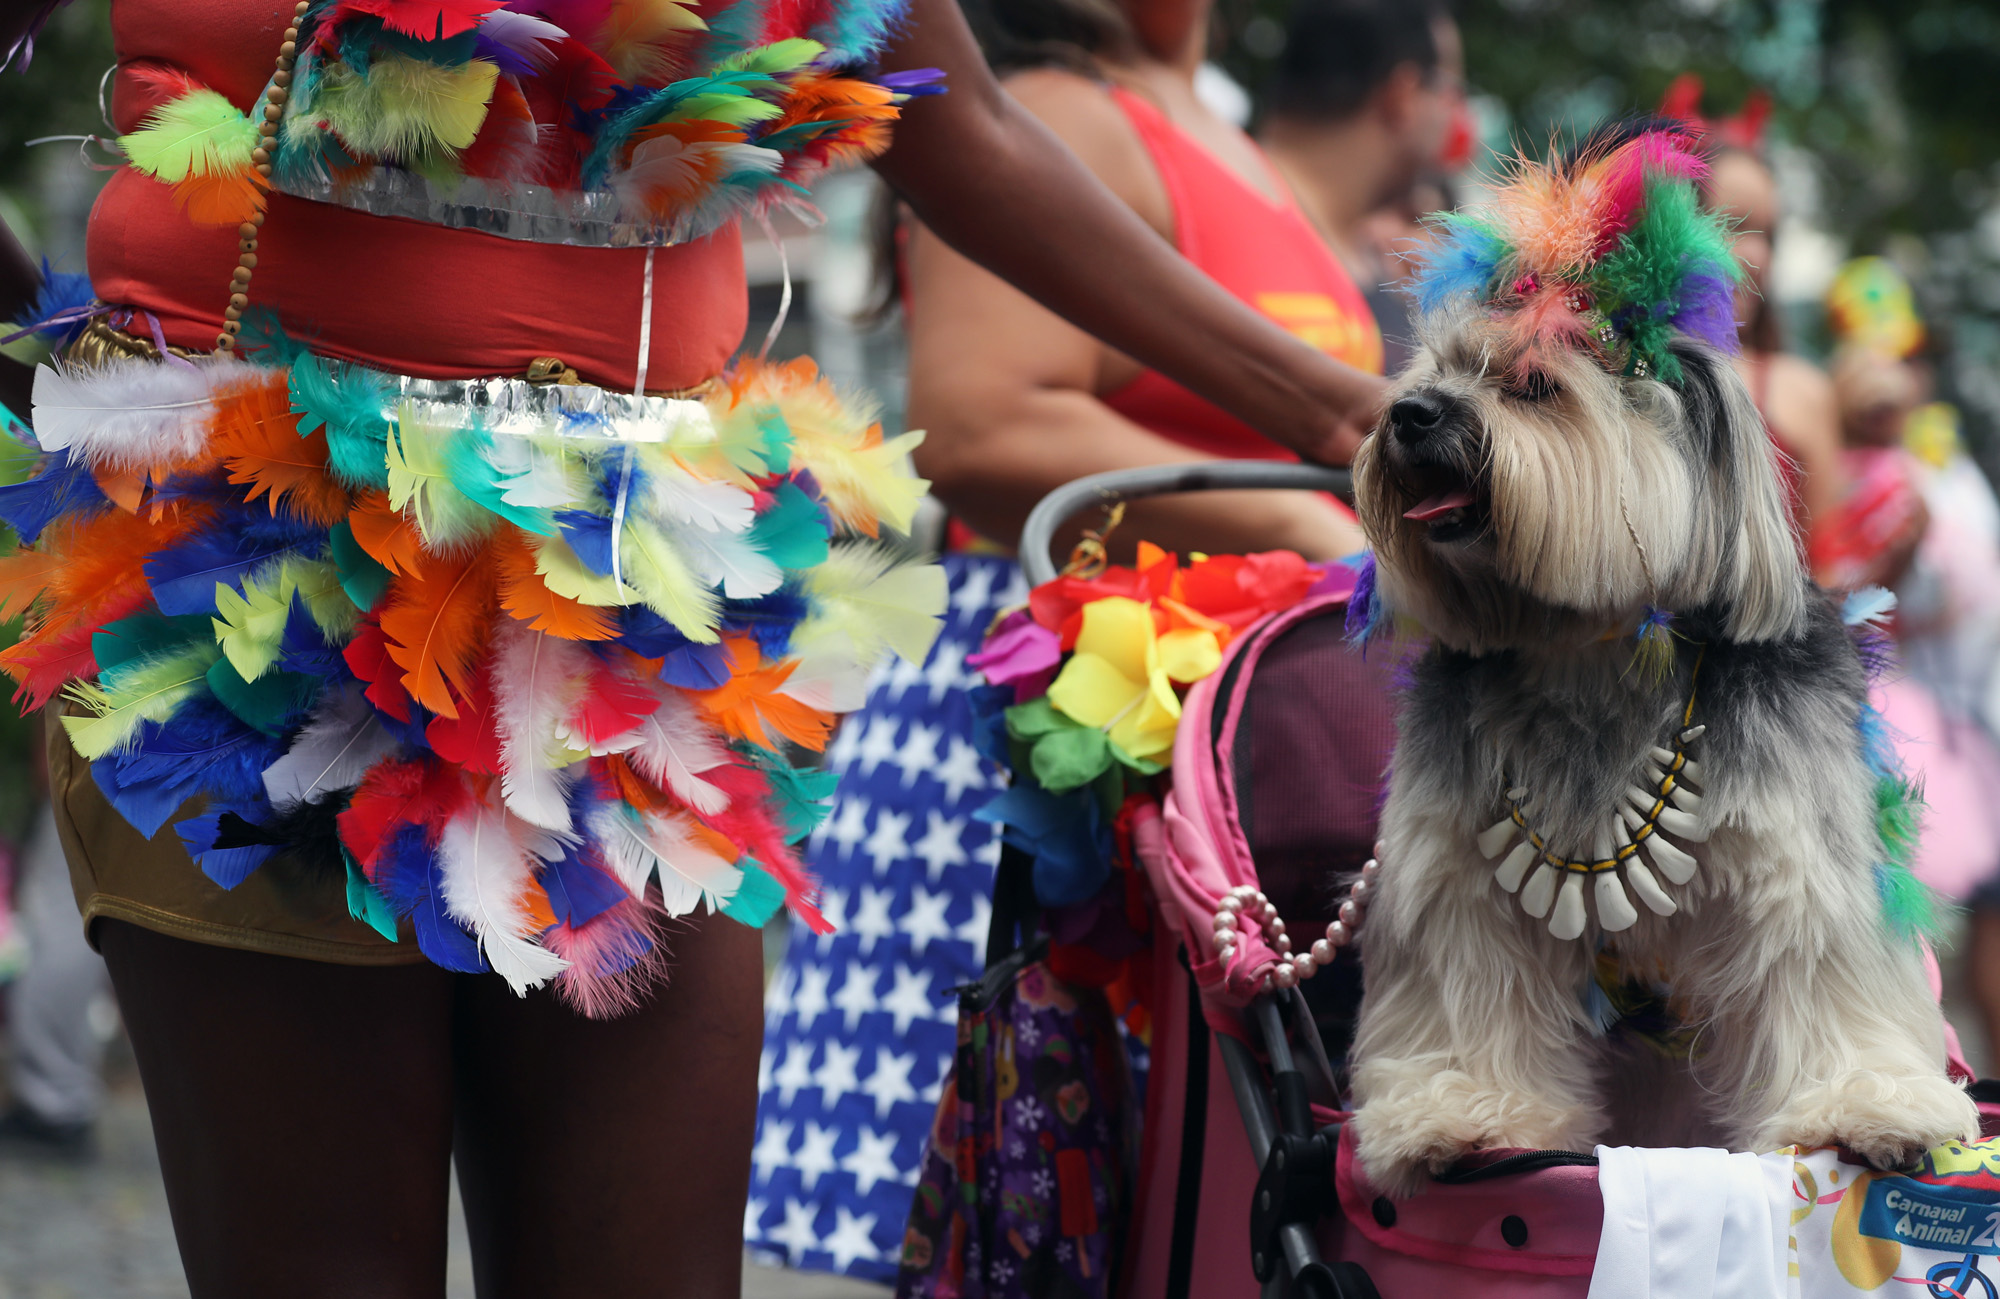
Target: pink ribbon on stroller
1194,850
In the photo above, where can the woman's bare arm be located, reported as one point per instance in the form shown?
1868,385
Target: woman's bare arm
998,186
1008,391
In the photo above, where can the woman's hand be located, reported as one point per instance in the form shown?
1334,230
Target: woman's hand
999,187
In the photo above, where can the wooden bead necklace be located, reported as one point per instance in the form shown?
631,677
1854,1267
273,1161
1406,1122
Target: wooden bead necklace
276,95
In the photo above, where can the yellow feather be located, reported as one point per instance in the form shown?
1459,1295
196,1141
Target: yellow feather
406,107
656,571
150,692
420,483
570,577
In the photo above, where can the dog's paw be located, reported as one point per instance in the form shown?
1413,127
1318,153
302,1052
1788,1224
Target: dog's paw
1887,1119
1418,1126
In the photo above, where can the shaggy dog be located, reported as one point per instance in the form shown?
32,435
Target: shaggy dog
1557,808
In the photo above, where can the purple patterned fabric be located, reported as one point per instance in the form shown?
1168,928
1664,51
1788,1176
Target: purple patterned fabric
1026,1173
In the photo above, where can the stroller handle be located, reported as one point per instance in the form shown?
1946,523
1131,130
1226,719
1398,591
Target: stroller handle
1163,480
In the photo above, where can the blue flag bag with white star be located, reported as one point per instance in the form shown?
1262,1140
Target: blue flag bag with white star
860,1023
1028,1170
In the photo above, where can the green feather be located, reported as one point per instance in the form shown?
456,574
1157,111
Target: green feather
200,134
792,533
361,577
352,404
1909,905
270,703
473,473
1651,261
143,634
364,903
757,898
148,689
802,797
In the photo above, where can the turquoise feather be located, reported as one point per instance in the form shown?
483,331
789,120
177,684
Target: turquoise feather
353,406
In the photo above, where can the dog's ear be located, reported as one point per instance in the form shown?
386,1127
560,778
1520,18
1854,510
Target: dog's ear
1760,579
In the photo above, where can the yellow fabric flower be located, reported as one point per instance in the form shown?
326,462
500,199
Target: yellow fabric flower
1121,677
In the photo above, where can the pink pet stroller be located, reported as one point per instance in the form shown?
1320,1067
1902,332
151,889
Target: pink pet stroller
1278,765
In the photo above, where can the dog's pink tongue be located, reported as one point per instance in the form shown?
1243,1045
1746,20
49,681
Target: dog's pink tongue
1441,504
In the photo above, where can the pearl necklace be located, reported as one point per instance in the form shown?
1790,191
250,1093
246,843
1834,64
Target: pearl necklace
1245,906
1643,819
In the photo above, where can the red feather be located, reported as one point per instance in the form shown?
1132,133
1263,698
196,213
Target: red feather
394,794
471,739
427,20
594,985
367,657
505,146
615,702
748,823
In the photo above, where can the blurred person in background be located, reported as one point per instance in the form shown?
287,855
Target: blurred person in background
1018,402
1367,123
1945,711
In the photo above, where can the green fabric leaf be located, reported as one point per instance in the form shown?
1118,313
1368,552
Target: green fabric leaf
1144,766
1036,718
1066,759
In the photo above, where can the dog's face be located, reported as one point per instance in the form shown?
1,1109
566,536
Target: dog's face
1514,498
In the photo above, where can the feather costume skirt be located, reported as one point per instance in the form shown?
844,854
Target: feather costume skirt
521,664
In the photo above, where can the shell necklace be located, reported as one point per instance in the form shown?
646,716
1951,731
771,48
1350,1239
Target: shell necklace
1641,822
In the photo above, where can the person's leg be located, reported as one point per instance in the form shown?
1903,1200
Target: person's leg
58,1054
302,1112
611,1158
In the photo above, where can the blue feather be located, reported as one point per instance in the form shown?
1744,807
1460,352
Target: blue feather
61,291
857,30
683,663
184,576
403,870
147,805
228,867
1461,264
589,535
580,891
770,620
61,486
202,749
306,650
1364,607
1867,604
441,938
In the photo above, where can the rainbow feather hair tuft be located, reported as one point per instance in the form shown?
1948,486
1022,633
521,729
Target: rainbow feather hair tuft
1607,248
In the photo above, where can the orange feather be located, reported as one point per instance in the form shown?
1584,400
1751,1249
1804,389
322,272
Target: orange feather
525,595
436,624
24,576
634,788
256,435
223,198
749,702
390,539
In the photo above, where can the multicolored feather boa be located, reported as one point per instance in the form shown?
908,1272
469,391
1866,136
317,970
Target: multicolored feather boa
523,662
630,113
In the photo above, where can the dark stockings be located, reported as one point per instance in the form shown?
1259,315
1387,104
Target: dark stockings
306,1114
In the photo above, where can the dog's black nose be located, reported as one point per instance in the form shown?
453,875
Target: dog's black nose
1417,416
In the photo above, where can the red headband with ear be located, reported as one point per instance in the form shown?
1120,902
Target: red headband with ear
1682,103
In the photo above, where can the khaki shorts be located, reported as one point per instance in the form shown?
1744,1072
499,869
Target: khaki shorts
282,908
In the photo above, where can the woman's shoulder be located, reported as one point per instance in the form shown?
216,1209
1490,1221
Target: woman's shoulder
1084,113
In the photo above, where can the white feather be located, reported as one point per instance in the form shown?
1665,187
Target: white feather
536,678
673,747
680,497
486,870
333,751
527,36
129,413
534,473
639,845
727,560
830,678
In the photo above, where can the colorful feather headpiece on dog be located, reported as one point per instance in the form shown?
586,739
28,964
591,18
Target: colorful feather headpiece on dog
1608,249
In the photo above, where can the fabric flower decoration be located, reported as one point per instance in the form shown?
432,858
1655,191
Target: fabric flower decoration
1120,680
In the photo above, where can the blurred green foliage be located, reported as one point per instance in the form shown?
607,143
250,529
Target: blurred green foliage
56,96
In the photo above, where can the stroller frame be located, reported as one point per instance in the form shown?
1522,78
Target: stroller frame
1294,1187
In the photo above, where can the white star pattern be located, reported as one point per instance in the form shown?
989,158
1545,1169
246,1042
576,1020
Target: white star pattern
794,1073
919,754
925,920
889,843
1016,592
975,592
988,854
833,906
849,826
835,1076
809,1003
910,998
764,1071
856,996
814,1157
963,770
872,920
774,1149
901,677
753,1214
852,1238
796,1234
872,1160
942,675
890,1083
846,742
974,929
778,994
878,745
942,845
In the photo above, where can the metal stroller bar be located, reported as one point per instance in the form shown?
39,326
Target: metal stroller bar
1163,480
